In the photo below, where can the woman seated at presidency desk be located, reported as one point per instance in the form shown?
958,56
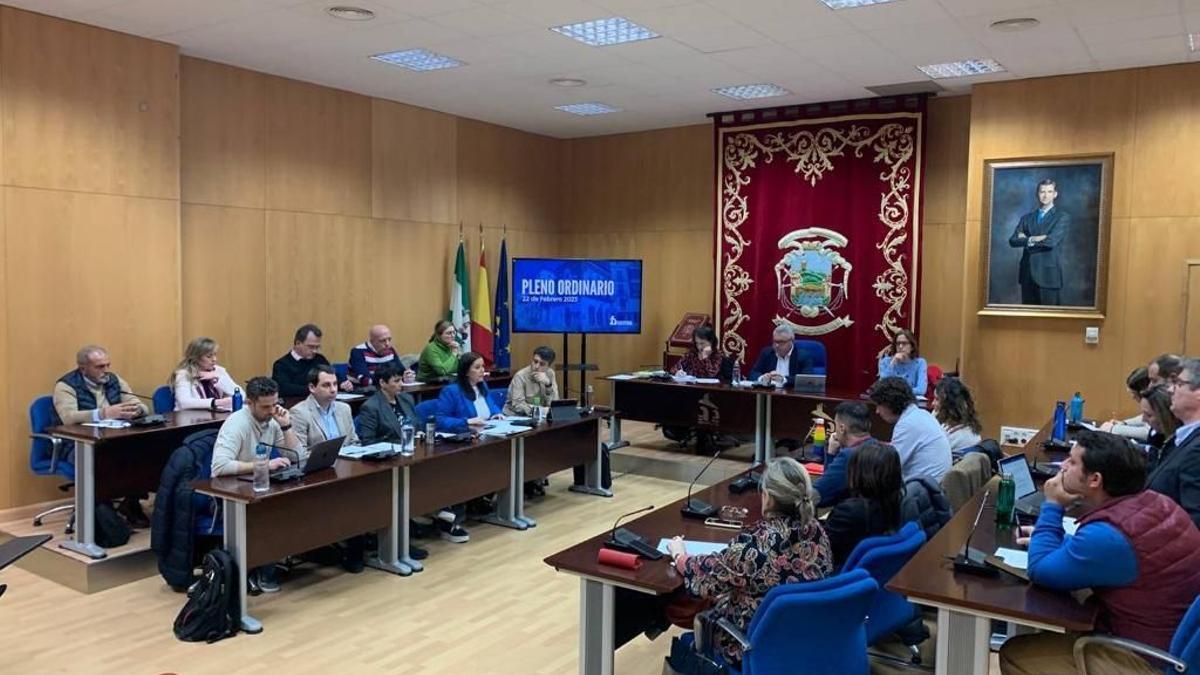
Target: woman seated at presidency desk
439,358
787,546
903,359
198,382
703,359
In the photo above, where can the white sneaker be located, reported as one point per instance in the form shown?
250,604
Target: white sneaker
456,535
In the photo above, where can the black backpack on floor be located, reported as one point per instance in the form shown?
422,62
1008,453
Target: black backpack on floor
213,610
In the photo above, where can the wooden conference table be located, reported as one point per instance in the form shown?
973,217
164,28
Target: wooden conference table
293,517
619,604
768,413
113,463
966,603
499,379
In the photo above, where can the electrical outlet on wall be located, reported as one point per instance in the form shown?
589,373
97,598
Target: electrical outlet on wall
1016,435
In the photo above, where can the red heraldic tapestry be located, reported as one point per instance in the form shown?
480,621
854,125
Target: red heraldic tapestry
817,227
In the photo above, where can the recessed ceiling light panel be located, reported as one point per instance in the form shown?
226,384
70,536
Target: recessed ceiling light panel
849,4
604,32
418,59
1014,25
567,82
966,68
745,92
587,109
349,13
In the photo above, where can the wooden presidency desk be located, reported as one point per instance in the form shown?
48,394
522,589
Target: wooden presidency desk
967,603
617,605
766,413
293,517
118,462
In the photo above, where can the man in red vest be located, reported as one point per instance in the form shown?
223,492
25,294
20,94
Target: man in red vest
1137,550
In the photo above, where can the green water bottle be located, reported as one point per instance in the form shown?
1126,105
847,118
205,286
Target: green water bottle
1006,499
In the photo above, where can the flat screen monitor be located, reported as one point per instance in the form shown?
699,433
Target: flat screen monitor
570,295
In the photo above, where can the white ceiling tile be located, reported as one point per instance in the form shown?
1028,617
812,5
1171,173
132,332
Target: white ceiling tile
160,17
1091,12
1154,51
620,6
857,58
317,10
1191,21
1132,30
427,8
785,20
911,43
547,13
484,22
700,27
873,17
1010,8
558,50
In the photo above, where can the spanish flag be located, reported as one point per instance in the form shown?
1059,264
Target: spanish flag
481,319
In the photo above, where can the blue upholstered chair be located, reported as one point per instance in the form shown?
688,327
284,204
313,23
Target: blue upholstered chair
164,400
882,557
425,410
49,456
498,396
342,369
815,351
1184,656
783,634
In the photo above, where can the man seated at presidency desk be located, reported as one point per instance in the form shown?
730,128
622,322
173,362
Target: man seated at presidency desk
1136,549
781,361
91,393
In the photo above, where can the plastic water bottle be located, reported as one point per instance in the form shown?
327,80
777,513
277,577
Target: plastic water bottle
1059,432
430,430
1076,408
819,440
236,404
408,435
262,474
737,374
537,410
587,401
1006,499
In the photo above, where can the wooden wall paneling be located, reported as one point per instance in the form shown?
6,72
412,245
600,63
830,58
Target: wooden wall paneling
671,188
947,144
88,109
87,268
14,457
318,267
224,285
1155,314
1166,175
318,149
414,157
223,137
508,177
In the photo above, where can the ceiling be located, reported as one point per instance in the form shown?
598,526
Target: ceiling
819,53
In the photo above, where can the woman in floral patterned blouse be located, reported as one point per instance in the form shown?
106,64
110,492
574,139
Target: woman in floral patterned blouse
704,359
787,546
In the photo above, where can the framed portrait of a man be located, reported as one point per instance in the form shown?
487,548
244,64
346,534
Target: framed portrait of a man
1045,236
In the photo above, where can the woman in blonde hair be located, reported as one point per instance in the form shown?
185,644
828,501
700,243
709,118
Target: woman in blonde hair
198,381
788,545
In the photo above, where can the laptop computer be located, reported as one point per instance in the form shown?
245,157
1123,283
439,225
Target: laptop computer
320,456
809,384
1028,498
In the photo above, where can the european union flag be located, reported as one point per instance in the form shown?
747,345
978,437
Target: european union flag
501,337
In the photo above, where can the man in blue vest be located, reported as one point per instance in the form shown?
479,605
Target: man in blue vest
1041,233
92,393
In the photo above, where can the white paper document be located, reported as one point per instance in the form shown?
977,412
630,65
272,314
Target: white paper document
1013,557
412,384
706,380
696,547
623,376
504,428
108,424
343,396
357,451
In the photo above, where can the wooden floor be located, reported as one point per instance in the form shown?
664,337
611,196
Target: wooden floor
488,606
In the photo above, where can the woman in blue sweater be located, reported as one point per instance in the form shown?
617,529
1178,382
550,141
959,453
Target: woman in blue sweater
464,404
903,360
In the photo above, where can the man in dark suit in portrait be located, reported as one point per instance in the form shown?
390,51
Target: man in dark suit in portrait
1040,233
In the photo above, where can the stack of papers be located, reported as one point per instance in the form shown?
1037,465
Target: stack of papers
357,451
503,428
108,424
623,376
343,396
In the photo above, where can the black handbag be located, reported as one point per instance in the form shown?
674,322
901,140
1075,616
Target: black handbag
685,660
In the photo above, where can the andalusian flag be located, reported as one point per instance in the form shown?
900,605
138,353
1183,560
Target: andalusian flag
460,301
481,326
500,345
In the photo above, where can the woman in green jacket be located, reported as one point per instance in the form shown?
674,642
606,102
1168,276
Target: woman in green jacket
439,359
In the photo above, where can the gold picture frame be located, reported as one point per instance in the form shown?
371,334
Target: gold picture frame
1046,259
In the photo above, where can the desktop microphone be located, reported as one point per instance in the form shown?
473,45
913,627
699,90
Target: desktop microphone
622,539
695,508
963,562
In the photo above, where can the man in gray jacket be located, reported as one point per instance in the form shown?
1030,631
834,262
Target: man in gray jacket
321,417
